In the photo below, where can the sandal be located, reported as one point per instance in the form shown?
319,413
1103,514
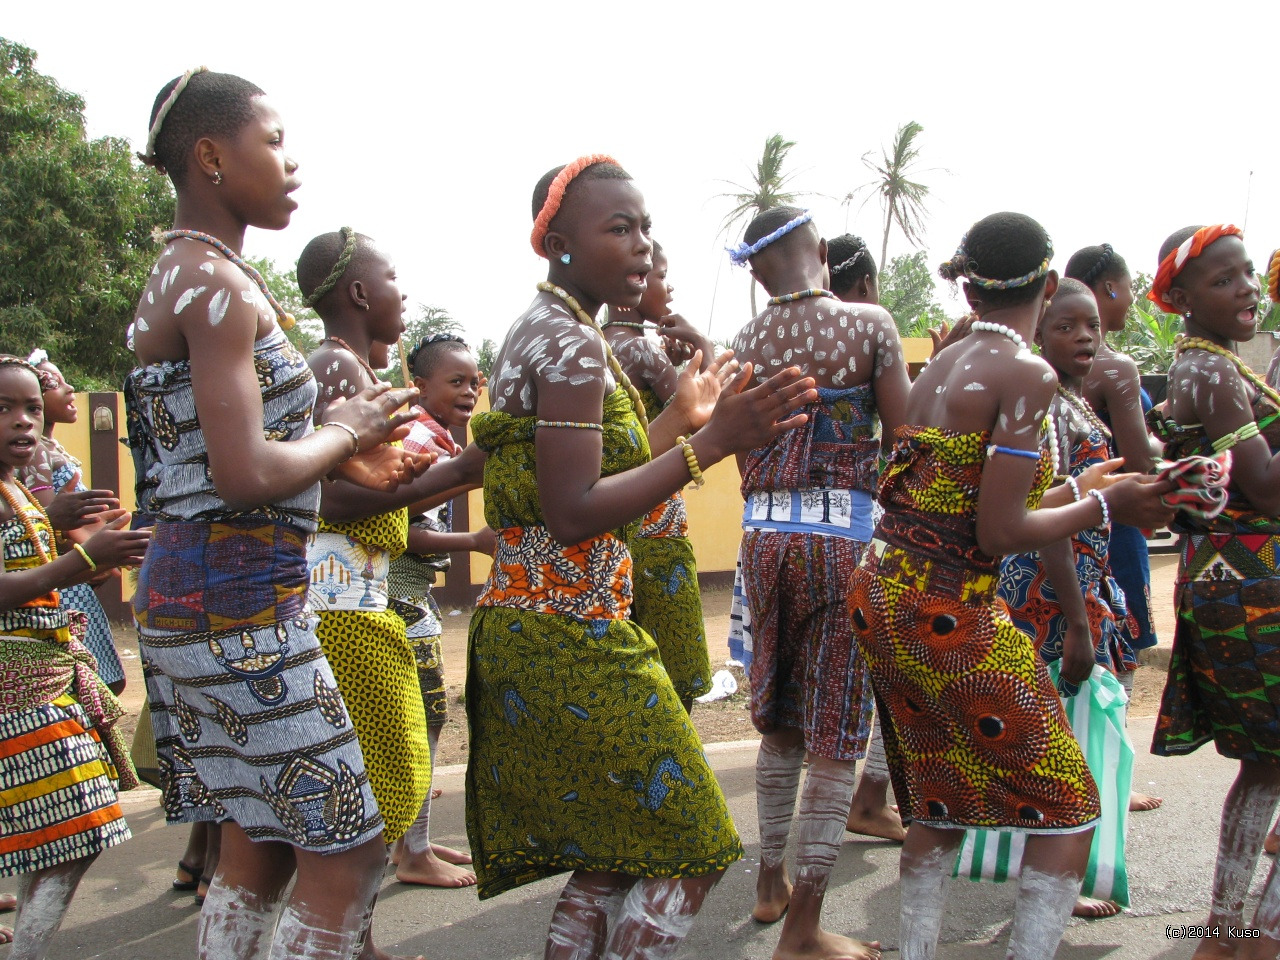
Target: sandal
190,871
202,884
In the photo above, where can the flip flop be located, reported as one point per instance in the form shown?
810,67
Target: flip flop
190,871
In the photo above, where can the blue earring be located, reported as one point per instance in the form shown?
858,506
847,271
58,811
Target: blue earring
565,258
1111,294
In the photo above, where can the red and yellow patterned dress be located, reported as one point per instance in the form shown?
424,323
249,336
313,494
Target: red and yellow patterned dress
974,731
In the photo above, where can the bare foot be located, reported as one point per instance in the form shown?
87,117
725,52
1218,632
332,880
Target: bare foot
885,823
1092,909
397,852
8,901
437,793
1270,845
773,895
6,934
1141,802
450,855
1215,949
829,946
428,870
1257,948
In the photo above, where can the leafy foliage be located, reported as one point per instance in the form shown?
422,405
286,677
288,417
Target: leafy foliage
769,188
902,198
76,220
908,292
308,329
427,322
486,356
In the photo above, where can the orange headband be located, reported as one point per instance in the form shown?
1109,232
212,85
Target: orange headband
555,196
1189,249
1273,277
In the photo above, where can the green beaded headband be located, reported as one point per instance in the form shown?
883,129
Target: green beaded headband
339,268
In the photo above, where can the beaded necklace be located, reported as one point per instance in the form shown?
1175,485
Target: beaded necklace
800,295
24,516
283,316
614,365
623,323
1082,407
1001,329
1199,343
373,375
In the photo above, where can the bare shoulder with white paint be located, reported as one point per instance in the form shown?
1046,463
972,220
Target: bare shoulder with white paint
838,344
338,374
546,346
646,363
193,289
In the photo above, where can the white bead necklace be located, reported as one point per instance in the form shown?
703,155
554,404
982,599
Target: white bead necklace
1001,329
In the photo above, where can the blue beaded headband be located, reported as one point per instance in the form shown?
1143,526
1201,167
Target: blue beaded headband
743,252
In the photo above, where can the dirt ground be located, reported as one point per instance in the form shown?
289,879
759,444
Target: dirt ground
724,720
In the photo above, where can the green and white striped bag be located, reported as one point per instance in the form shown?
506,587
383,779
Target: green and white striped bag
1097,717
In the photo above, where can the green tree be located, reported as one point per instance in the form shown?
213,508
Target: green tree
427,321
768,189
308,329
486,356
901,198
76,221
908,292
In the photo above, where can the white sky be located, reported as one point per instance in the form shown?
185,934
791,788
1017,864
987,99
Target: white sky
427,128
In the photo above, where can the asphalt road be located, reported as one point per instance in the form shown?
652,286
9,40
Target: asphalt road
125,908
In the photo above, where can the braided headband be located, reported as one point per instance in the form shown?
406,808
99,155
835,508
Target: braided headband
1095,271
47,380
339,268
1273,276
1189,249
7,360
149,158
555,196
848,264
965,263
744,251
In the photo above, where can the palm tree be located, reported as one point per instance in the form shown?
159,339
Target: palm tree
767,191
902,198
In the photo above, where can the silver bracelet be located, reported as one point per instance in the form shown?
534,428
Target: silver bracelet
354,436
1075,487
1102,502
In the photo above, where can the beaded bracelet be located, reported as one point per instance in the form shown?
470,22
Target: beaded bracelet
570,424
46,486
691,459
354,436
1227,441
84,555
1102,502
1075,487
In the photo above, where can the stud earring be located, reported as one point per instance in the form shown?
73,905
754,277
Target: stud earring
217,178
565,258
1187,315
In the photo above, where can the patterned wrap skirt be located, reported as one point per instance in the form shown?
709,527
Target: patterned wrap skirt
973,727
582,756
667,603
1224,672
798,552
248,720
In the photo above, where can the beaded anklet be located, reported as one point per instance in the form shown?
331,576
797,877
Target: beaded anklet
691,458
569,424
